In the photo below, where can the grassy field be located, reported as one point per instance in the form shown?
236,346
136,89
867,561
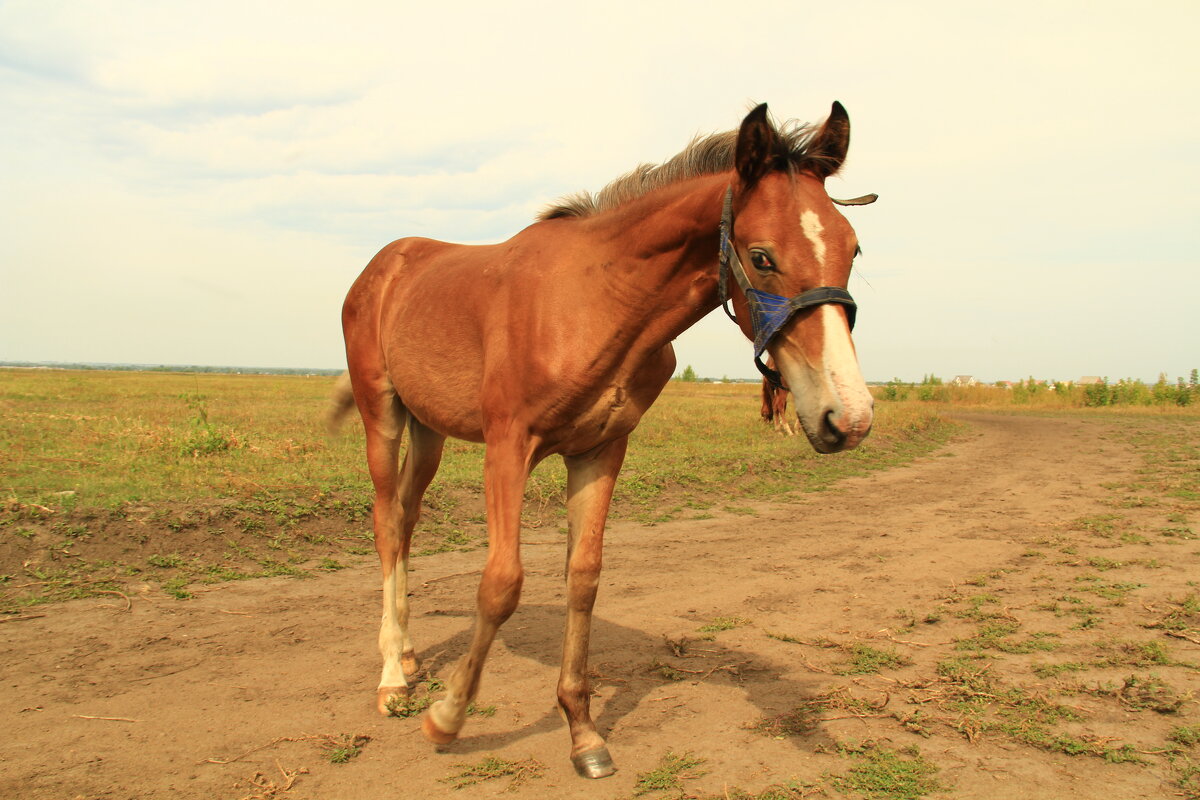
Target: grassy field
116,478
1055,636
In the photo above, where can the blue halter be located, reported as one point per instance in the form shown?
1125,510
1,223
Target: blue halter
768,312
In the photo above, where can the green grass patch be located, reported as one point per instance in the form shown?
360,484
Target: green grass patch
342,749
1110,590
1150,693
492,768
1054,670
883,774
995,634
1100,524
673,768
866,660
719,624
1186,735
983,705
1117,653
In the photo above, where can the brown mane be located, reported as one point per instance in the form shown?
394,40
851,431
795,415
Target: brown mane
706,155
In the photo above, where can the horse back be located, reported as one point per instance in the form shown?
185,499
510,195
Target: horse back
516,332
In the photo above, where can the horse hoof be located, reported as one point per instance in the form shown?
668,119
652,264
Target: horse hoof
435,734
388,694
594,763
410,664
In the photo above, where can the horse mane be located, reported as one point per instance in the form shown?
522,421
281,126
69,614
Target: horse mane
705,155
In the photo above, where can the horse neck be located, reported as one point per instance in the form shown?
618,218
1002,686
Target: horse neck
662,250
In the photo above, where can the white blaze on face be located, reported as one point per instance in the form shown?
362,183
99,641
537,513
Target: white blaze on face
853,403
831,390
811,225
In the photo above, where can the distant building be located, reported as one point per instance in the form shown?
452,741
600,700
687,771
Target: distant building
963,380
1088,379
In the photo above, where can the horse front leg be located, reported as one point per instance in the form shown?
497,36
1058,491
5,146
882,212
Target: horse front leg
590,481
506,469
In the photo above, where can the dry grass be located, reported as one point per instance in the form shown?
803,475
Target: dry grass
182,479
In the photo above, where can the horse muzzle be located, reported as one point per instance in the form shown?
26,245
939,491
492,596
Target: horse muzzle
831,399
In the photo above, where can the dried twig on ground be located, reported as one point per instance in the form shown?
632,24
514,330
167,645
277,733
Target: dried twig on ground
455,575
268,788
271,743
122,595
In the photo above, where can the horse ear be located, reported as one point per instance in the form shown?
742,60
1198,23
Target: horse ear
829,144
757,144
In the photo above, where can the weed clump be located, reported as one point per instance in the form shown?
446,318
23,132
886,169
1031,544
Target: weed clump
888,774
492,768
804,717
719,624
866,660
1150,694
672,769
341,749
1186,735
203,437
416,702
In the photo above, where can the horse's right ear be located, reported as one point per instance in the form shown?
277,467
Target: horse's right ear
757,146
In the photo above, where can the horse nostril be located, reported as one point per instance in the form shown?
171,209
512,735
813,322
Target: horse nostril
832,427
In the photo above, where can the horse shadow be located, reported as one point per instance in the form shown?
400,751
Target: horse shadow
631,663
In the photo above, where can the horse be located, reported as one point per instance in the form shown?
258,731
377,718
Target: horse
557,341
774,404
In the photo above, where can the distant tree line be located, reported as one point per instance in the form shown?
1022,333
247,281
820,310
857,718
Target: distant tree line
1030,391
172,368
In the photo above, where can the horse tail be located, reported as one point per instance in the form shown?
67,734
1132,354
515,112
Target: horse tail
340,403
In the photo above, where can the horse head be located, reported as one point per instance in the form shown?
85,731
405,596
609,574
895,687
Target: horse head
796,244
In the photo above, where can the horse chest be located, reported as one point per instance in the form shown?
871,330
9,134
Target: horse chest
612,412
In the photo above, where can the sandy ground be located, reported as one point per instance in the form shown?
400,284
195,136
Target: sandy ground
101,702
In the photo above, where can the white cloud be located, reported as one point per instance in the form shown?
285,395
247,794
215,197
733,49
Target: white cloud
188,161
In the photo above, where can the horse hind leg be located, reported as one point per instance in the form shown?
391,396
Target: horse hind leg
420,465
397,508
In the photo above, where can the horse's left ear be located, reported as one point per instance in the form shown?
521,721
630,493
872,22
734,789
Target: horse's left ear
830,143
757,146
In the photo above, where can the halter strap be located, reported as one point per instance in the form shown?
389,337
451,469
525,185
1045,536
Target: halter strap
768,312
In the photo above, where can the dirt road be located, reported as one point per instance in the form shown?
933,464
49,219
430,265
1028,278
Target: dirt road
101,702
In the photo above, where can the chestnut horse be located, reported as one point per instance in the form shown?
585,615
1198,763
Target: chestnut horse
774,404
558,340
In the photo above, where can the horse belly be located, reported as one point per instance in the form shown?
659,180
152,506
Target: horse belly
436,377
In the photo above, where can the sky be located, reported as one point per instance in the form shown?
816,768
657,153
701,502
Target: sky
200,183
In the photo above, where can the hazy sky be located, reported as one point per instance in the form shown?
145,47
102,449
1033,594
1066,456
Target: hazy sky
200,183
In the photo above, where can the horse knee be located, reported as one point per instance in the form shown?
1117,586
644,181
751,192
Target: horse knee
574,695
500,592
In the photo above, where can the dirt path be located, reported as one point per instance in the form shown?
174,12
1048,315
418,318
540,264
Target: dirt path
243,666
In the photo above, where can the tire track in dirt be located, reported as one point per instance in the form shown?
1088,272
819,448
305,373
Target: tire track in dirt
242,665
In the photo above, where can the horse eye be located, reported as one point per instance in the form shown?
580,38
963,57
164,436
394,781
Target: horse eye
761,261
